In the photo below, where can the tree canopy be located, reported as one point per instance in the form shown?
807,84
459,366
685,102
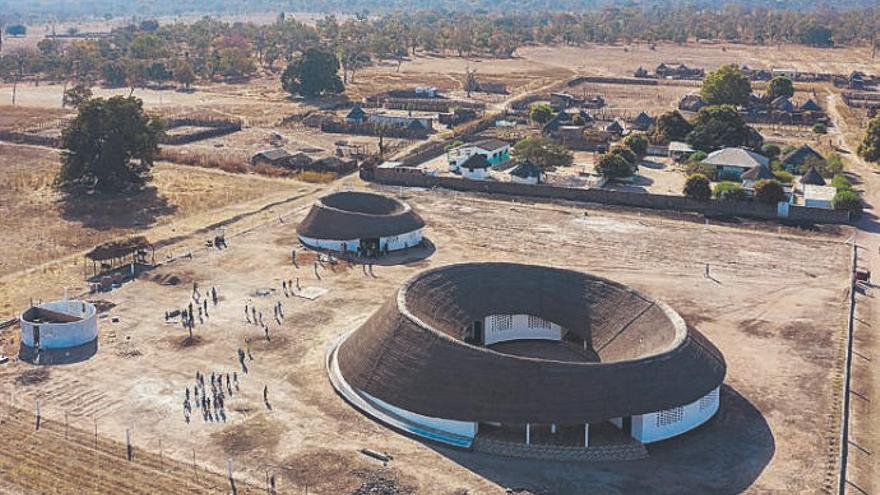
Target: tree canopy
671,126
726,86
769,191
638,143
110,146
543,152
869,148
613,166
314,73
697,187
540,113
718,127
780,86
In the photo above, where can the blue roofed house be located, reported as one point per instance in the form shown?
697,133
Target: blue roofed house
496,152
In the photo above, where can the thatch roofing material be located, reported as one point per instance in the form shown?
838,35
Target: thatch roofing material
410,353
352,215
118,248
812,177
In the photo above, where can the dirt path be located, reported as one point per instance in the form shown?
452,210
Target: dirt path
864,419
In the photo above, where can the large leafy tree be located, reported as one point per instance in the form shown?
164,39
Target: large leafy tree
613,166
697,186
769,191
869,149
314,73
718,127
110,146
671,126
726,86
780,86
542,152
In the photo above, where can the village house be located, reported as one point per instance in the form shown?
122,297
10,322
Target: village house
679,151
642,122
527,173
277,157
691,103
357,115
678,71
732,163
414,123
494,150
614,128
782,104
426,92
563,100
753,175
811,178
795,160
476,167
816,196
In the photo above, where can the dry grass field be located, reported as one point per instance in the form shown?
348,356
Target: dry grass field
776,315
42,228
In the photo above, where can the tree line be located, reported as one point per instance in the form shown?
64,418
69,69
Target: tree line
212,49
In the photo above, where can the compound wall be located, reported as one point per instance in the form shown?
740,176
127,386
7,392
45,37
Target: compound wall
62,335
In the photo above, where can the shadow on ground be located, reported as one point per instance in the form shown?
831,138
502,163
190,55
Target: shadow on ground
112,211
58,356
724,456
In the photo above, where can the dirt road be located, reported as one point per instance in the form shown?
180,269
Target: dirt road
864,419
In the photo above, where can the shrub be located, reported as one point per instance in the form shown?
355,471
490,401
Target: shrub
698,156
783,176
613,166
847,200
541,113
638,143
729,190
769,191
841,183
700,168
626,153
771,151
697,187
820,128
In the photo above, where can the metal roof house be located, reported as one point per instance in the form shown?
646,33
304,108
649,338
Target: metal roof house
496,152
731,163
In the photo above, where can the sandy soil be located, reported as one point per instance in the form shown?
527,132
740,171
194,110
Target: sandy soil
778,323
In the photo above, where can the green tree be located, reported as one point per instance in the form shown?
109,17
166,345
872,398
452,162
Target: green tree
541,113
543,152
771,151
847,199
613,166
670,126
184,74
841,183
769,191
780,86
729,190
726,86
110,146
76,96
638,143
718,127
817,35
869,148
697,187
820,128
314,73
627,154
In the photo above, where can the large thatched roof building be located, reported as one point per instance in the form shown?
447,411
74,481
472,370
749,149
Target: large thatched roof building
477,345
360,222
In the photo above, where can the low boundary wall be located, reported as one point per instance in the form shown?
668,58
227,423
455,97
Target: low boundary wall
413,177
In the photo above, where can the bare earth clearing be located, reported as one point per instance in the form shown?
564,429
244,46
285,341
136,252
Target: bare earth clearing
778,323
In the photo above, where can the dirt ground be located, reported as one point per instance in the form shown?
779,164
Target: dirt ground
779,324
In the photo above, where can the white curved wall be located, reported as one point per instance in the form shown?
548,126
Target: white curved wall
668,423
461,428
63,335
401,241
351,245
394,243
501,328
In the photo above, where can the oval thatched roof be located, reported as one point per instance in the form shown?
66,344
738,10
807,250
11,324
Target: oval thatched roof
353,215
410,353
